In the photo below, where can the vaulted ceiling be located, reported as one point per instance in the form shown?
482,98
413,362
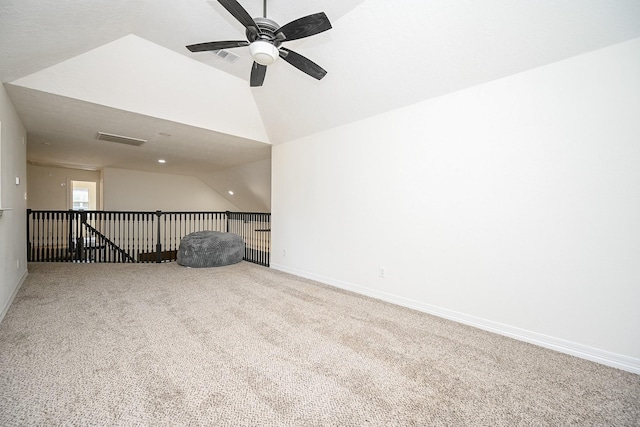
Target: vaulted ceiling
76,67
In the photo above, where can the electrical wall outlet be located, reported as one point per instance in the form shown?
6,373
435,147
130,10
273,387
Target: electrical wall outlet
381,272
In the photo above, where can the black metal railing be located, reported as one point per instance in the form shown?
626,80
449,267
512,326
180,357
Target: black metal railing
110,236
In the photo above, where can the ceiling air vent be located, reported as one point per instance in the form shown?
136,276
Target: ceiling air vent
103,136
226,55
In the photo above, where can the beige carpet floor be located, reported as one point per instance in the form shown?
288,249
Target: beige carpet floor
159,345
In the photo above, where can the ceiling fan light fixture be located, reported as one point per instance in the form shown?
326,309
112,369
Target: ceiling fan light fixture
263,52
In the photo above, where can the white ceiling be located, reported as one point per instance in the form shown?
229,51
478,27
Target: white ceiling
75,67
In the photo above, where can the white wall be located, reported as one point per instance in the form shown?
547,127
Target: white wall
513,206
13,248
251,184
129,190
49,186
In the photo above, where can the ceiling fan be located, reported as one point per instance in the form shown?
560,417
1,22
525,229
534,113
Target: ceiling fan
264,38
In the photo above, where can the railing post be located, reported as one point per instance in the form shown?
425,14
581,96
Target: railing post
28,236
71,243
80,238
228,214
158,244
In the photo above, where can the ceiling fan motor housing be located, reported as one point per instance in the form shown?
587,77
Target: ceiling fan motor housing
266,28
263,48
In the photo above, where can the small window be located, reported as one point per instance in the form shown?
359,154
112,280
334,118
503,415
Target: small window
80,199
83,195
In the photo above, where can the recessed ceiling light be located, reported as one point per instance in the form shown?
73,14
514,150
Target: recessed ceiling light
231,192
162,161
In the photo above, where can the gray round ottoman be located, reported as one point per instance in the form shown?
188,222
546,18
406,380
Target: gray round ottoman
210,249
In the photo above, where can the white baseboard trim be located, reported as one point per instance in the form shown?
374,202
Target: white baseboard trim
582,351
13,295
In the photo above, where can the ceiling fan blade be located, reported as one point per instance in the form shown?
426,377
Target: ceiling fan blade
202,47
239,12
258,72
306,26
303,64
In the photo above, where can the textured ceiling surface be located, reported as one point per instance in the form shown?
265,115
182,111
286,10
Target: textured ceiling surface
67,82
